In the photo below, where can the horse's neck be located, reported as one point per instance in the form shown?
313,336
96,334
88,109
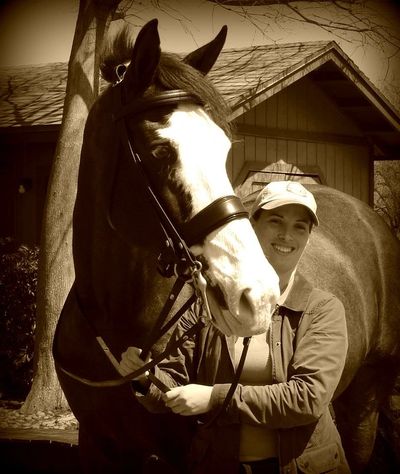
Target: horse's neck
122,293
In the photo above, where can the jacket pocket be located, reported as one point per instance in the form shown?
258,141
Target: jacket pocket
320,460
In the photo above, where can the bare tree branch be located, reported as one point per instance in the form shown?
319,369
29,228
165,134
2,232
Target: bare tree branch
255,3
348,16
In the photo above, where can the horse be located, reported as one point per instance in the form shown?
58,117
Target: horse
154,206
354,255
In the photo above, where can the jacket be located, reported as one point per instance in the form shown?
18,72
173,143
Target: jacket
308,344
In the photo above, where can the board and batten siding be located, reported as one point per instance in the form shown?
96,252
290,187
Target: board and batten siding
301,126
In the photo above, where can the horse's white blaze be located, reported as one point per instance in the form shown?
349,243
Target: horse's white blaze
202,147
235,258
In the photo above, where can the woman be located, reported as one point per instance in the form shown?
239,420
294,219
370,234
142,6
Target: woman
278,419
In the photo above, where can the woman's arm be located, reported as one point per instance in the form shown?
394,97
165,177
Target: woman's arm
314,374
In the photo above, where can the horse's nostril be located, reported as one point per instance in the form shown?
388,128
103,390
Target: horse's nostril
245,304
219,297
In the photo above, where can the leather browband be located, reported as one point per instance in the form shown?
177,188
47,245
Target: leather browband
161,99
217,214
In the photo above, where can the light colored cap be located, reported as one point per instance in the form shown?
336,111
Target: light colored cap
281,193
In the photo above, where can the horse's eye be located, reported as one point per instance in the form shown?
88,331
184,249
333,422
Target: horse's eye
161,152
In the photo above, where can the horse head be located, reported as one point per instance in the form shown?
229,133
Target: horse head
183,147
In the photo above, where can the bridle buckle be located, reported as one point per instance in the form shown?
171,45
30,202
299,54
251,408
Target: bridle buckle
200,288
166,260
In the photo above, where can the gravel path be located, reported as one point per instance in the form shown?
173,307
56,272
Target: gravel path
58,419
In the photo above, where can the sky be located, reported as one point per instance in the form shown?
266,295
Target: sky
41,31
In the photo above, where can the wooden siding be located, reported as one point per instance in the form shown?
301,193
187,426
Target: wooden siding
318,136
24,170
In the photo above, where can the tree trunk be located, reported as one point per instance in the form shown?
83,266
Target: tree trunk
56,271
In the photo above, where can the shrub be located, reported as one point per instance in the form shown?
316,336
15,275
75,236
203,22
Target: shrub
18,280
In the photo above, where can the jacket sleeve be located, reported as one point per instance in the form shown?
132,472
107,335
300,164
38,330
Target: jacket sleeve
313,375
176,370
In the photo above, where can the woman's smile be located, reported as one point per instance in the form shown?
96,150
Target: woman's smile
283,249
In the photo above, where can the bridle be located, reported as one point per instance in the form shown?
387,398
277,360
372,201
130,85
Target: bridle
176,257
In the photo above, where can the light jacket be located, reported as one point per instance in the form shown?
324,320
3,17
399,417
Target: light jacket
308,344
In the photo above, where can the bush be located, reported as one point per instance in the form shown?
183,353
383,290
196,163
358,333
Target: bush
387,193
18,280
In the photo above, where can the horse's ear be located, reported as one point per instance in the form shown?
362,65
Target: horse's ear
203,59
145,58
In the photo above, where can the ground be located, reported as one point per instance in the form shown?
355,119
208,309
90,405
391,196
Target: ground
12,418
41,443
58,431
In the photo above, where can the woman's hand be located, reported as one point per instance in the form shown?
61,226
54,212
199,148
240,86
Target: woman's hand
131,361
189,400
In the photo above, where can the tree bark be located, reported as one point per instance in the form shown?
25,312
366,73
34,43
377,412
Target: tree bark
56,271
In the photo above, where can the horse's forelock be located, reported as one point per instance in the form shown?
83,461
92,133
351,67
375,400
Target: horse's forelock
117,50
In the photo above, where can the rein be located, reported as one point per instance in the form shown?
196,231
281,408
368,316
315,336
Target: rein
176,257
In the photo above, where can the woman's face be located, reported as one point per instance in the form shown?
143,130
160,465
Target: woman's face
283,234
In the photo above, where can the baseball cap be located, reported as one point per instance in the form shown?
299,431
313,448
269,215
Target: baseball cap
281,193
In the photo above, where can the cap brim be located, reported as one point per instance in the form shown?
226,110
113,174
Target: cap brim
278,203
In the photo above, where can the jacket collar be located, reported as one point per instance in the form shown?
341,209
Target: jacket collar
299,294
296,301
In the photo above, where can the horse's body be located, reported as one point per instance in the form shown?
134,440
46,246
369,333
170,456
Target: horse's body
353,255
118,293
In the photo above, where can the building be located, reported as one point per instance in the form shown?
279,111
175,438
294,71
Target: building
301,111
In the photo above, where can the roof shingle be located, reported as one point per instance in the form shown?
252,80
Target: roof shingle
34,95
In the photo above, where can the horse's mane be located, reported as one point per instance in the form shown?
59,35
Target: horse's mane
171,73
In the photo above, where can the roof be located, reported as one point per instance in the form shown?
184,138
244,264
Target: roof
33,95
243,74
249,76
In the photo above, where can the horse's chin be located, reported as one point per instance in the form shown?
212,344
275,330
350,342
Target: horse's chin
243,325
